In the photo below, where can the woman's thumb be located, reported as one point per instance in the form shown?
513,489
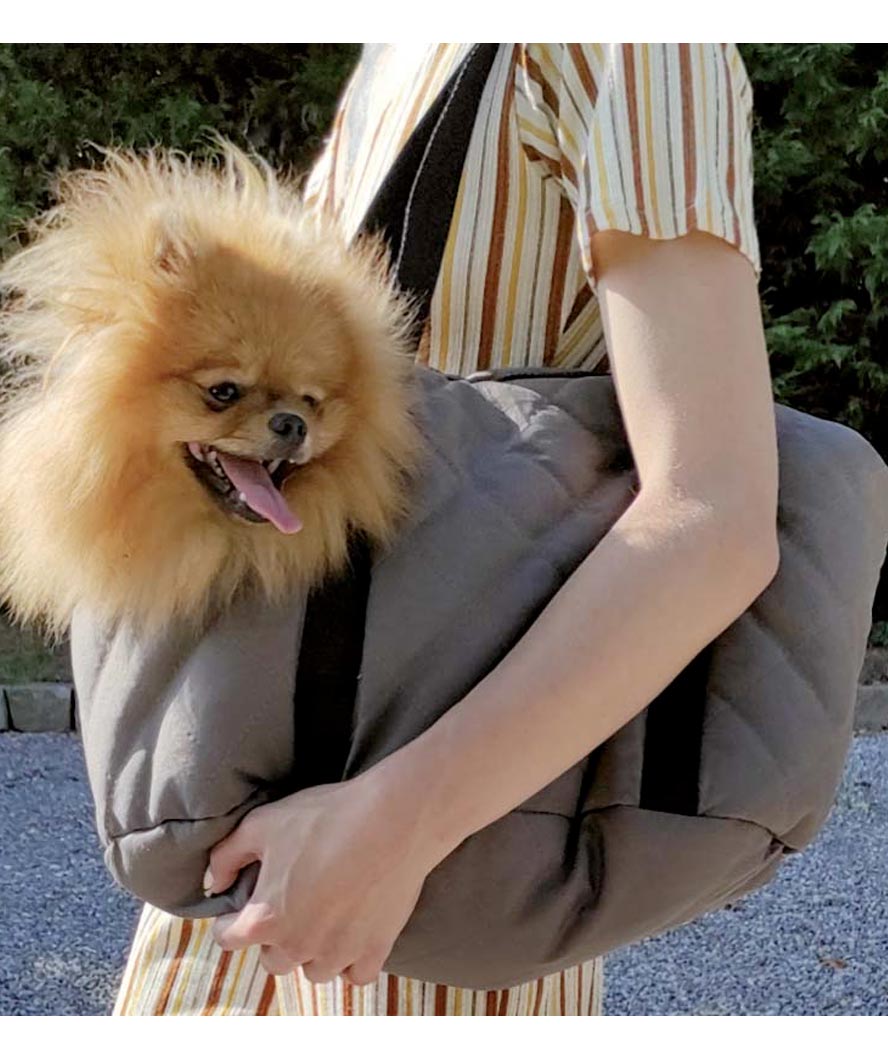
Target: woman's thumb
227,859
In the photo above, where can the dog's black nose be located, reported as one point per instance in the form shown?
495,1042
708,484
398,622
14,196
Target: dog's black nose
288,426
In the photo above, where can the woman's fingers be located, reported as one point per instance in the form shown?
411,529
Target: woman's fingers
277,962
364,971
322,970
254,924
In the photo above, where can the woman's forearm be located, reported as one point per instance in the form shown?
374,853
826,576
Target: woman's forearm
690,554
664,582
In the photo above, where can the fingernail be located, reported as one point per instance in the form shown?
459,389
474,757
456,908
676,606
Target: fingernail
208,882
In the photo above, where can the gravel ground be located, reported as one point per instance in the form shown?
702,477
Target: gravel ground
814,942
66,926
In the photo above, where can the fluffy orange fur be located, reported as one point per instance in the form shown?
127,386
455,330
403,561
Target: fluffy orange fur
152,278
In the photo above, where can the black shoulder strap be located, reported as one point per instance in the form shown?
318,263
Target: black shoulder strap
413,207
412,210
330,655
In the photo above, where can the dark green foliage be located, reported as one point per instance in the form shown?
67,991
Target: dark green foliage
56,99
821,146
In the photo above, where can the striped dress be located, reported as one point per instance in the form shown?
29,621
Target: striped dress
570,139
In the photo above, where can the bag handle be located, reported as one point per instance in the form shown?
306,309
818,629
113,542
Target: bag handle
412,211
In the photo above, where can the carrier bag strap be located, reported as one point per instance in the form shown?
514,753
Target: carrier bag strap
328,671
413,208
412,211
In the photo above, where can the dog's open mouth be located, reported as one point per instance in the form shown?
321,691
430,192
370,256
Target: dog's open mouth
246,488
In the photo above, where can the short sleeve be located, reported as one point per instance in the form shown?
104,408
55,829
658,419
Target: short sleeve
652,139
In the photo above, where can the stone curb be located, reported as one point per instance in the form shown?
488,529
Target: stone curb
37,707
872,708
52,707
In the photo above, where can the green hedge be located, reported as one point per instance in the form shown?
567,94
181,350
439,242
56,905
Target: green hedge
821,185
56,99
821,171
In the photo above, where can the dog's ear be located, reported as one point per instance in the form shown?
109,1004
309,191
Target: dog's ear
175,243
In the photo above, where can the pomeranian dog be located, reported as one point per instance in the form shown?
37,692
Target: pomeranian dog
205,388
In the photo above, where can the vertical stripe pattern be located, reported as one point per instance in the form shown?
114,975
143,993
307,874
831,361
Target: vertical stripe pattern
175,969
570,139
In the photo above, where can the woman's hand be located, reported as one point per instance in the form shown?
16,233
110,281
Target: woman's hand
342,867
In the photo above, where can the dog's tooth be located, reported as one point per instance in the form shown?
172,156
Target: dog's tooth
242,496
274,465
196,450
213,459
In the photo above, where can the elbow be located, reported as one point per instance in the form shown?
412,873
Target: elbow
759,537
739,541
732,527
744,514
752,553
730,540
763,557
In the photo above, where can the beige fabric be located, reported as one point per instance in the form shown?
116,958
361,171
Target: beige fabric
175,969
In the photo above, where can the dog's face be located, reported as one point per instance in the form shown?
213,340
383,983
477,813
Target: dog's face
253,366
224,396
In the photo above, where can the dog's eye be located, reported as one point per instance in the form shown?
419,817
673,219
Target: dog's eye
225,392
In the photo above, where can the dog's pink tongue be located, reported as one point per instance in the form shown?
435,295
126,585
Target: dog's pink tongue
252,479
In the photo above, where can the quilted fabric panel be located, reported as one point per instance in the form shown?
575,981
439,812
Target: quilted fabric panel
783,680
530,499
515,493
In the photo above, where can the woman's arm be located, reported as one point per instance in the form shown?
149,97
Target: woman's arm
691,553
342,866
